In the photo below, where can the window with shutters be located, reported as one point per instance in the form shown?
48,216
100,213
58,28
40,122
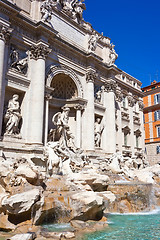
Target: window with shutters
158,131
158,149
157,99
157,115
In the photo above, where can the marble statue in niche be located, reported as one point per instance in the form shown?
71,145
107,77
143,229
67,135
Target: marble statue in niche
98,129
98,94
21,65
12,116
61,152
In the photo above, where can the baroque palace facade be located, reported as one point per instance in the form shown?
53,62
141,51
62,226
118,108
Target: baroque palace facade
52,60
151,102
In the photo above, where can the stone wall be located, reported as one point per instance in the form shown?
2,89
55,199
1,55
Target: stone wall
152,155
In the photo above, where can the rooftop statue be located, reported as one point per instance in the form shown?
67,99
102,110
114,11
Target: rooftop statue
92,43
73,8
46,10
112,55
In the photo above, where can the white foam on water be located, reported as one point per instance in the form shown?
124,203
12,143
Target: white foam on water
58,225
153,212
110,222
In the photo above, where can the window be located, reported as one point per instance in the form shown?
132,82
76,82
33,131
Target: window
143,118
157,115
137,141
125,139
157,98
158,131
126,130
124,102
158,149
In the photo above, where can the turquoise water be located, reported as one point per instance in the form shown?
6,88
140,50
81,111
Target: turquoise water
129,227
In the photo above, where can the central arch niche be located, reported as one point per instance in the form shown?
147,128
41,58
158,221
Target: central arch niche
64,87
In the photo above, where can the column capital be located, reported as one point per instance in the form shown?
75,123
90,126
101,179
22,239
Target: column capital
79,107
5,33
48,96
110,85
39,51
91,76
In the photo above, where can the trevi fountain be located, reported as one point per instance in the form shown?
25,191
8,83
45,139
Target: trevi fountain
72,159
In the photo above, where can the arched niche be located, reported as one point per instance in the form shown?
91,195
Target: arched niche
64,87
65,83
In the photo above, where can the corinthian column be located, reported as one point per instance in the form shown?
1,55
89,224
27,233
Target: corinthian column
90,78
4,36
131,103
110,127
38,56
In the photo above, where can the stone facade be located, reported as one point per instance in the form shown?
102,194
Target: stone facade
51,58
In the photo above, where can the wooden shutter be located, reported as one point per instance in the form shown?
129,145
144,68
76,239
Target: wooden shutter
155,116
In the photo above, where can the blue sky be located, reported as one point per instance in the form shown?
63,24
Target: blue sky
134,28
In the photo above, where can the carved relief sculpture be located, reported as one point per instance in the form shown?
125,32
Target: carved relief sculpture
12,116
98,129
20,65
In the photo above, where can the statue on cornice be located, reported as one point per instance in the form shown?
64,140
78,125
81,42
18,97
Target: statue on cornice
112,55
74,8
46,10
92,43
78,9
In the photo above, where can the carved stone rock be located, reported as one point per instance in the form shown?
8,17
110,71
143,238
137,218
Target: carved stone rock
22,202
